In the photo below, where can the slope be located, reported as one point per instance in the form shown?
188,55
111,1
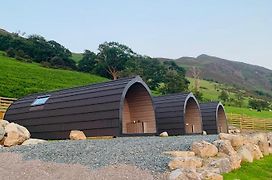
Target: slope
241,75
18,78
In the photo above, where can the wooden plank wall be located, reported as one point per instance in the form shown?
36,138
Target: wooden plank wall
248,123
4,104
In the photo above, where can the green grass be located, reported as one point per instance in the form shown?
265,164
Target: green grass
248,112
18,79
77,57
258,170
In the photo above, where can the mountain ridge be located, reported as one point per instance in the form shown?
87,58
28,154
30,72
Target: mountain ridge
255,78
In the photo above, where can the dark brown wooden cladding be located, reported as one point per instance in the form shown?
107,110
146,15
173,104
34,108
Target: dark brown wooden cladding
170,115
213,118
96,109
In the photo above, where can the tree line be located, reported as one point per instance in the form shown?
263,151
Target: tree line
113,60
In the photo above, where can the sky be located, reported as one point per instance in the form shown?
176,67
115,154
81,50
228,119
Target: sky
239,30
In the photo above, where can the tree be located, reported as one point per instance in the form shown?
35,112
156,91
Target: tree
173,83
223,96
112,57
258,104
88,62
239,99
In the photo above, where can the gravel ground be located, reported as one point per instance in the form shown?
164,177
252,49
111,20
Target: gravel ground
142,152
13,167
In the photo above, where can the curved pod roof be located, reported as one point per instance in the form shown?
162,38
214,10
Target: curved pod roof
178,114
214,118
114,108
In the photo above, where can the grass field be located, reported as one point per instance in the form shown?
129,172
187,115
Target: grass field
258,170
77,57
18,78
248,112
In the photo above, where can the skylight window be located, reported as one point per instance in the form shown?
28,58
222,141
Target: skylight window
40,101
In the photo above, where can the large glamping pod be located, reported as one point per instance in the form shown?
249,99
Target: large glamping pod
115,108
178,114
214,118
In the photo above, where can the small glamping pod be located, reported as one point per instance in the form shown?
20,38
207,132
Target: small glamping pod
178,114
214,118
115,108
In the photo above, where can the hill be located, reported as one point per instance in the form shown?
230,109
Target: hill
241,75
18,79
77,57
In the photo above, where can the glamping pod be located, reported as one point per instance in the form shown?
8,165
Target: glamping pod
178,114
115,108
214,118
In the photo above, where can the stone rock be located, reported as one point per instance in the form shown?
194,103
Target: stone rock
13,127
16,134
269,138
185,162
261,139
204,133
233,130
77,135
33,141
235,161
270,150
255,151
14,138
180,153
2,141
4,123
2,133
223,164
208,175
204,149
245,154
224,146
164,134
184,174
236,140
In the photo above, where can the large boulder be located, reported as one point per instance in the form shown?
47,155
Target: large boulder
204,149
77,135
269,138
164,134
245,154
255,151
235,140
234,130
185,162
224,146
235,161
184,174
209,175
13,127
180,153
261,139
4,123
16,134
33,141
222,163
2,133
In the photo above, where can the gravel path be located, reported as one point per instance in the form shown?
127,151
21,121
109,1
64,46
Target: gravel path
143,152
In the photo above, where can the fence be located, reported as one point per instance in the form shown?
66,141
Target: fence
4,104
248,123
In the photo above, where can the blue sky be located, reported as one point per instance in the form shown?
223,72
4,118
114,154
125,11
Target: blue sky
233,29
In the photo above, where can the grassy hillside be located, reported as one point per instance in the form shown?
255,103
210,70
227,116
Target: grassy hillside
77,57
211,90
241,75
249,112
18,78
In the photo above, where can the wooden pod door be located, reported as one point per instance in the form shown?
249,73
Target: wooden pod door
192,117
138,116
221,120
